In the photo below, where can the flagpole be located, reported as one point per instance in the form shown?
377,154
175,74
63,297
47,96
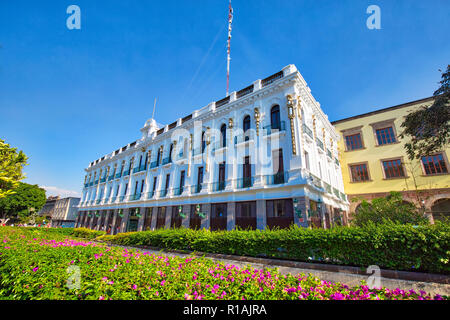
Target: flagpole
230,20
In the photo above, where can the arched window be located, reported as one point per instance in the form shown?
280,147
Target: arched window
203,141
246,126
158,157
441,209
275,117
223,135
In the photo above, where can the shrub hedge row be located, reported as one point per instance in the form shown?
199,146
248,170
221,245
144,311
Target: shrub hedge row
84,233
390,246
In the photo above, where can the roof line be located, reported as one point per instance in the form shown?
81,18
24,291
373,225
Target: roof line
403,105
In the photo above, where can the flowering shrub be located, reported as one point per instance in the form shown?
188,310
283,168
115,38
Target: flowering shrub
32,266
390,246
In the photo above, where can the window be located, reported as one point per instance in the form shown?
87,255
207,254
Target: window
359,172
245,127
393,168
126,189
182,180
434,164
307,160
353,142
167,181
154,183
158,157
275,117
385,136
223,135
170,152
200,177
203,141
142,185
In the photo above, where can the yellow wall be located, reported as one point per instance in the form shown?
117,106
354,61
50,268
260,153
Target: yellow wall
373,154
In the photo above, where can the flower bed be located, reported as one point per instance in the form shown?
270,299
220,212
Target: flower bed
389,246
33,265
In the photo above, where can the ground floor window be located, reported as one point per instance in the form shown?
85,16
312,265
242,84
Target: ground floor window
246,215
218,216
161,218
279,213
176,220
195,221
147,219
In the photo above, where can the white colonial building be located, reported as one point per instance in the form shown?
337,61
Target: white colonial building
264,156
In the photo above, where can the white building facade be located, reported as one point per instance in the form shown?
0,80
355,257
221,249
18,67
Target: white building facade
65,212
264,156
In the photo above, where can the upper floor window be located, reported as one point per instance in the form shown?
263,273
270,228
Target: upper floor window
170,152
385,136
359,172
246,126
203,141
353,142
434,164
223,135
393,168
275,117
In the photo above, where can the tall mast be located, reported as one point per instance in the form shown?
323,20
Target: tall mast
230,20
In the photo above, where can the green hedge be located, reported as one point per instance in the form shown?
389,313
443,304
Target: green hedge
398,247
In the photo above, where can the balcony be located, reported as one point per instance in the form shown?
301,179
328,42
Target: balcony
150,194
329,154
270,129
154,164
103,180
111,177
196,188
140,169
327,187
118,175
218,186
167,160
121,198
272,78
336,192
98,201
197,151
95,182
178,191
308,131
320,144
246,182
113,199
86,185
163,193
135,197
242,138
336,161
277,178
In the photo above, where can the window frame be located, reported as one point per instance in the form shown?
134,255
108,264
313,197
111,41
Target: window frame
383,125
405,176
351,132
444,157
357,164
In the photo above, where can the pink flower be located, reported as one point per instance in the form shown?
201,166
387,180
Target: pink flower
162,282
134,287
101,298
35,269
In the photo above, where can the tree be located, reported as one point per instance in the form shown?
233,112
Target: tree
11,165
391,208
429,128
26,200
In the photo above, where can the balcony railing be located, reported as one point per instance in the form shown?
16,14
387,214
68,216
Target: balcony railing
150,194
86,185
327,187
135,197
277,178
319,143
167,160
98,201
103,180
196,188
118,175
111,177
95,182
272,78
218,186
336,161
269,129
329,154
308,131
336,192
154,164
242,138
178,191
126,173
246,182
121,198
163,193
113,199
139,169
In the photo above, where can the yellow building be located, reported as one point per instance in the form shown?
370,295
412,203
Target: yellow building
374,161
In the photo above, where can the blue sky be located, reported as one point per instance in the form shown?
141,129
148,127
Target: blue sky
68,97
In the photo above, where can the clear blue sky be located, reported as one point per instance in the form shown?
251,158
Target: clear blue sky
68,97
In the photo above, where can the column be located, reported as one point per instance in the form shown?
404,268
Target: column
206,209
301,206
187,211
154,216
261,217
126,214
168,216
141,219
231,215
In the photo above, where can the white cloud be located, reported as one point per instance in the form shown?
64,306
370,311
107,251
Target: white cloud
55,191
